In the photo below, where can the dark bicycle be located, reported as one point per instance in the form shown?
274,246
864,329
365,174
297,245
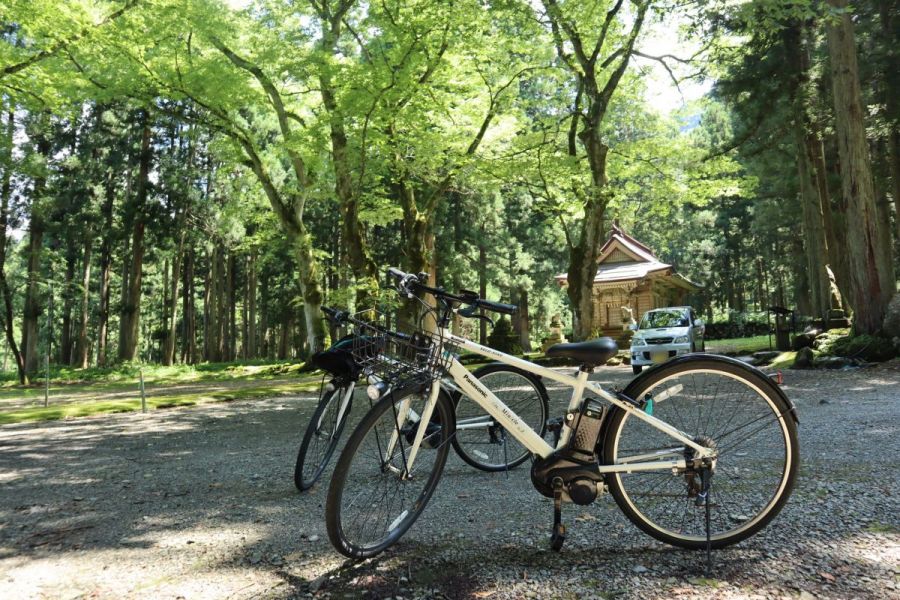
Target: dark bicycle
376,356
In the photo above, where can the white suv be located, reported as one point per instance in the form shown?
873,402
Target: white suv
664,333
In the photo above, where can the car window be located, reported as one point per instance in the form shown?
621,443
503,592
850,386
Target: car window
664,318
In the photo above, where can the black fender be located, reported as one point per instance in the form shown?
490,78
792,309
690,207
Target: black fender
419,386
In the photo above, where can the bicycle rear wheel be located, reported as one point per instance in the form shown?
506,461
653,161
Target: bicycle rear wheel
373,500
322,434
720,403
479,440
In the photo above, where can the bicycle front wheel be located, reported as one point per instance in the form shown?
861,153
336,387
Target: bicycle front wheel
322,434
373,498
719,403
479,440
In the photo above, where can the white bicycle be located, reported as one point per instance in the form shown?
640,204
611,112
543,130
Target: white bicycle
699,452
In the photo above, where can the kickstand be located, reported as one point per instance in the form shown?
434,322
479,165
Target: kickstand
559,530
705,477
505,457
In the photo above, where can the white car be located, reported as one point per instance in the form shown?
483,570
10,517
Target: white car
665,333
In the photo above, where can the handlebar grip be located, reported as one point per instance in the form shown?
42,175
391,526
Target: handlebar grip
396,273
334,314
498,307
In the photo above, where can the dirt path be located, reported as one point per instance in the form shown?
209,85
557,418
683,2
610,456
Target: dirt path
199,503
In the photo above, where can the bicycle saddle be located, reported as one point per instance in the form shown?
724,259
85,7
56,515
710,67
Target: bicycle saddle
590,353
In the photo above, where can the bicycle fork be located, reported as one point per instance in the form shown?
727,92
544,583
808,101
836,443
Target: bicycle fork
406,413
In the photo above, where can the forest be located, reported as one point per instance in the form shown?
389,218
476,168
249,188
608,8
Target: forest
191,180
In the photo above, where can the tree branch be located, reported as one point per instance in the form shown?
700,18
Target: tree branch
601,39
62,45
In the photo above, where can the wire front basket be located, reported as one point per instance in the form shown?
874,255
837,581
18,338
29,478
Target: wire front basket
396,351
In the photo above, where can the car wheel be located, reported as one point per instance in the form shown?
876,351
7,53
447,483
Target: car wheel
636,369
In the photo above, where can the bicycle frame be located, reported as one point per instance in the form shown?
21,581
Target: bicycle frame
529,438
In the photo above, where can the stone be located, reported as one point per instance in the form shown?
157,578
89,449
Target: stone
891,325
556,334
804,360
805,339
836,362
765,357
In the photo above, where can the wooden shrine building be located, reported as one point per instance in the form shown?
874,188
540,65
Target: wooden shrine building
630,276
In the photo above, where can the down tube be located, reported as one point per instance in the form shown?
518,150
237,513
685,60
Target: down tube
520,430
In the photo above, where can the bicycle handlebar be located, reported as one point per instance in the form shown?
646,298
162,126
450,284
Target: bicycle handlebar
408,283
335,315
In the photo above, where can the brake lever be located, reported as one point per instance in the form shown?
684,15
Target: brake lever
469,313
484,317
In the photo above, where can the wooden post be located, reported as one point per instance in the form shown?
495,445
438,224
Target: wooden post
47,380
143,395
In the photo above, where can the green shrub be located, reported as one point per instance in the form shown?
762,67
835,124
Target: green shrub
869,348
504,339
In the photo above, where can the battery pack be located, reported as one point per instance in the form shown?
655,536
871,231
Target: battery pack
588,422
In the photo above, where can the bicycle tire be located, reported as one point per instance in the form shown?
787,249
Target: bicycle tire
524,393
308,469
748,399
351,507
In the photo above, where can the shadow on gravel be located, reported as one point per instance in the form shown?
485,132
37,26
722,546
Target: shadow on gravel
92,484
208,492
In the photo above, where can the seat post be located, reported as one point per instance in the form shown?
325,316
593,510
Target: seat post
578,389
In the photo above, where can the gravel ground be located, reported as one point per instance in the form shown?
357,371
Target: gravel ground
199,503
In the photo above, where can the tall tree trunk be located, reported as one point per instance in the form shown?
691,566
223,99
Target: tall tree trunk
285,338
814,241
523,320
65,344
208,303
482,284
596,84
189,331
131,311
105,270
5,196
252,336
245,311
35,244
82,349
355,242
813,187
890,30
894,167
214,329
32,303
169,351
164,311
265,334
802,297
312,295
123,288
871,273
232,306
220,307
